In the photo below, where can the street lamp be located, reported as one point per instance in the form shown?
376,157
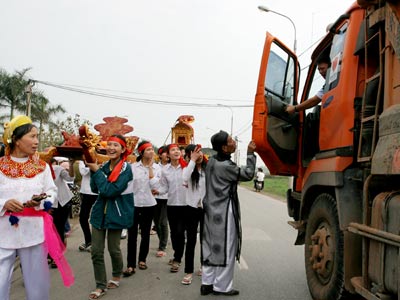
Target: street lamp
266,9
230,108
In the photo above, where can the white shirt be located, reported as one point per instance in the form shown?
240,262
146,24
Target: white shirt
64,194
321,92
30,230
85,183
142,184
164,195
172,182
260,176
194,196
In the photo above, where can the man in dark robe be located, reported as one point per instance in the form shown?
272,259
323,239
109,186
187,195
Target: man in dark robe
221,236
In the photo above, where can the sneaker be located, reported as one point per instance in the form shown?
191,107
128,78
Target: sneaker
84,247
124,233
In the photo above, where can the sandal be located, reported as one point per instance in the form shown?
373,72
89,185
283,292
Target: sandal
113,284
175,267
187,279
85,247
142,265
161,253
129,272
96,294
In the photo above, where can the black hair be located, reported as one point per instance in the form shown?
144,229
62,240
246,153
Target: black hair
2,149
218,140
19,132
324,60
161,150
195,177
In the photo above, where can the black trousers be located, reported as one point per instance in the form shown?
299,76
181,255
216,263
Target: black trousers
143,217
60,217
161,223
87,202
184,219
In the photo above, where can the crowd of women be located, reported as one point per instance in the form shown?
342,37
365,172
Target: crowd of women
118,195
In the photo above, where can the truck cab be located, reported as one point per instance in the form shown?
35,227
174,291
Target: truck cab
344,154
318,147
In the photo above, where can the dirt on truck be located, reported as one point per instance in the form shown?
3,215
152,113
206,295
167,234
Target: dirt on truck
344,154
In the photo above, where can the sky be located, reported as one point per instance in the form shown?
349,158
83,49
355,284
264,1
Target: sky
200,52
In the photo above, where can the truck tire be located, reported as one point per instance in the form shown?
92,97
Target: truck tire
324,250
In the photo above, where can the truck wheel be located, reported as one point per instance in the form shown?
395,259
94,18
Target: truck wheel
324,250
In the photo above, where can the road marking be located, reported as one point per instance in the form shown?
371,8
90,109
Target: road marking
243,265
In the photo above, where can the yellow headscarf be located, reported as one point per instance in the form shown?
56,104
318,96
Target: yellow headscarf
9,128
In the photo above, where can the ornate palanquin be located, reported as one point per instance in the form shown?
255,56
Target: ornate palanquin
182,132
92,145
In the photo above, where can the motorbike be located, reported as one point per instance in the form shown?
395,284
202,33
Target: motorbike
258,185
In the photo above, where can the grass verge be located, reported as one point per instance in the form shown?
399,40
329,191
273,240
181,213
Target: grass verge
273,185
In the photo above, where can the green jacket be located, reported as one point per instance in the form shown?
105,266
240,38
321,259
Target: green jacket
114,206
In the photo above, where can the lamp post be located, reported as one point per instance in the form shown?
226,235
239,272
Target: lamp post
266,9
230,108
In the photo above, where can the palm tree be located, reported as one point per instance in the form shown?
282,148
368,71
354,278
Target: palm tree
13,100
42,113
12,92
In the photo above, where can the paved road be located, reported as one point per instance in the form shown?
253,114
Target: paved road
271,266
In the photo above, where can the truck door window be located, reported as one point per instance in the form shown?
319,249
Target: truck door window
336,55
317,83
280,74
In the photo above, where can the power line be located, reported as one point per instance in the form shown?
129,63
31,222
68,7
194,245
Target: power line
148,94
244,128
309,47
133,99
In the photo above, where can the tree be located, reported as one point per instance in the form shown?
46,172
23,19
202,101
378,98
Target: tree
12,92
13,99
42,113
52,136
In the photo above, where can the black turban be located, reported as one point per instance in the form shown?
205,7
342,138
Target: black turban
219,139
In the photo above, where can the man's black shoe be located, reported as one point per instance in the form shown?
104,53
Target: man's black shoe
230,293
206,289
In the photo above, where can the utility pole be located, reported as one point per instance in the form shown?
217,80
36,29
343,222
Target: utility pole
236,154
28,92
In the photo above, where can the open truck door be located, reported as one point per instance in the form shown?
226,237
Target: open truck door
276,132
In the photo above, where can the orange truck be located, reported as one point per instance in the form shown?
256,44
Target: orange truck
344,154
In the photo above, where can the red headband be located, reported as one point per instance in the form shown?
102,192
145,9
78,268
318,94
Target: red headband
161,150
172,146
117,169
118,140
144,147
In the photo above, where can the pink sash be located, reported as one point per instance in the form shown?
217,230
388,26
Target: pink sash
54,246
